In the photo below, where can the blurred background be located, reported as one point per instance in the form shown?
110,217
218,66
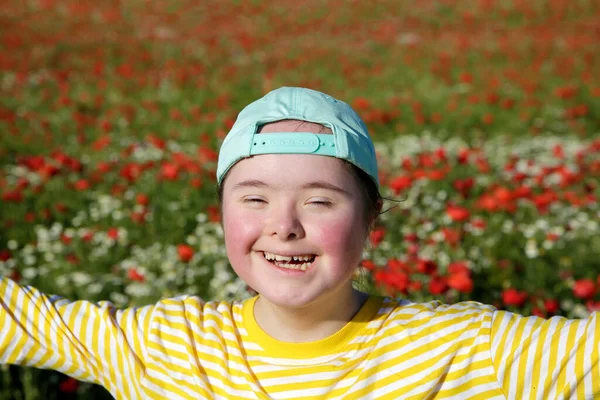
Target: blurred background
485,114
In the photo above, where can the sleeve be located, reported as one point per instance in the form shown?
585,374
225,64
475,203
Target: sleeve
546,358
87,341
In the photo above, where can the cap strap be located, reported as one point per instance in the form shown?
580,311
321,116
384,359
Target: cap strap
293,143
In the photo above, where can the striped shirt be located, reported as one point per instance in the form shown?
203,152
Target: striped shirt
184,348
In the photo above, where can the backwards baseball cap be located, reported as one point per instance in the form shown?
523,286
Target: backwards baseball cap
350,140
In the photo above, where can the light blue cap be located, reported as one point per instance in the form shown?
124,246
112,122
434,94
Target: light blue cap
350,140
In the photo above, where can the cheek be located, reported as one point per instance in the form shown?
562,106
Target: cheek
341,236
240,231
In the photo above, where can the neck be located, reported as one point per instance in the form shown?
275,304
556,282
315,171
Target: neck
313,322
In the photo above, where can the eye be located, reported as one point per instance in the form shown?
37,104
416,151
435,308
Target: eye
253,200
321,203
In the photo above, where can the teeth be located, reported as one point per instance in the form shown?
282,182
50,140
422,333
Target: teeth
302,258
277,257
284,261
301,267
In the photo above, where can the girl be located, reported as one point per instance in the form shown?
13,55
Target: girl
298,186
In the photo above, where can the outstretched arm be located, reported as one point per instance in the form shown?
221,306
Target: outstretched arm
88,341
546,359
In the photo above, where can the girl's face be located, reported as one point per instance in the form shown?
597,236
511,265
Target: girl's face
277,206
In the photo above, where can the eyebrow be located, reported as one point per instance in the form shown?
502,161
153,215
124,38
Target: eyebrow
311,185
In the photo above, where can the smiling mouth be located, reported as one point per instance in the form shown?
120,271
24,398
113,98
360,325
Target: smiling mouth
299,262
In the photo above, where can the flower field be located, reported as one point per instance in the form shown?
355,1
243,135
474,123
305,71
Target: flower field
485,114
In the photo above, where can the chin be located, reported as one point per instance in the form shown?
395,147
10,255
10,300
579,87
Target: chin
287,298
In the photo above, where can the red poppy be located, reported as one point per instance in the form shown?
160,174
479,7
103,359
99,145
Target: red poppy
438,285
125,70
131,171
551,306
69,385
451,236
487,118
502,194
459,267
513,297
507,104
411,237
461,282
361,103
87,237
466,77
478,223
113,233
101,143
492,98
134,275
103,167
185,252
14,275
426,267
592,306
196,183
463,156
142,199
440,153
457,214
48,171
61,207
544,200
400,183
5,255
22,183
565,92
15,196
396,265
522,192
72,258
464,186
415,286
34,163
214,213
426,160
538,312
438,174
398,281
584,288
169,171
206,155
368,264
482,165
66,239
81,185
558,151
117,189
156,141
376,236
139,217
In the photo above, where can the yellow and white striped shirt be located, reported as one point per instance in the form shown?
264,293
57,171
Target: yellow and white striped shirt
184,348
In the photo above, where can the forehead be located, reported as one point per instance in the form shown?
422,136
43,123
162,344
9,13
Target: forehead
291,171
294,126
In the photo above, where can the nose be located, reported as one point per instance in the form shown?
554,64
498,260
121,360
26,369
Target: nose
285,223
